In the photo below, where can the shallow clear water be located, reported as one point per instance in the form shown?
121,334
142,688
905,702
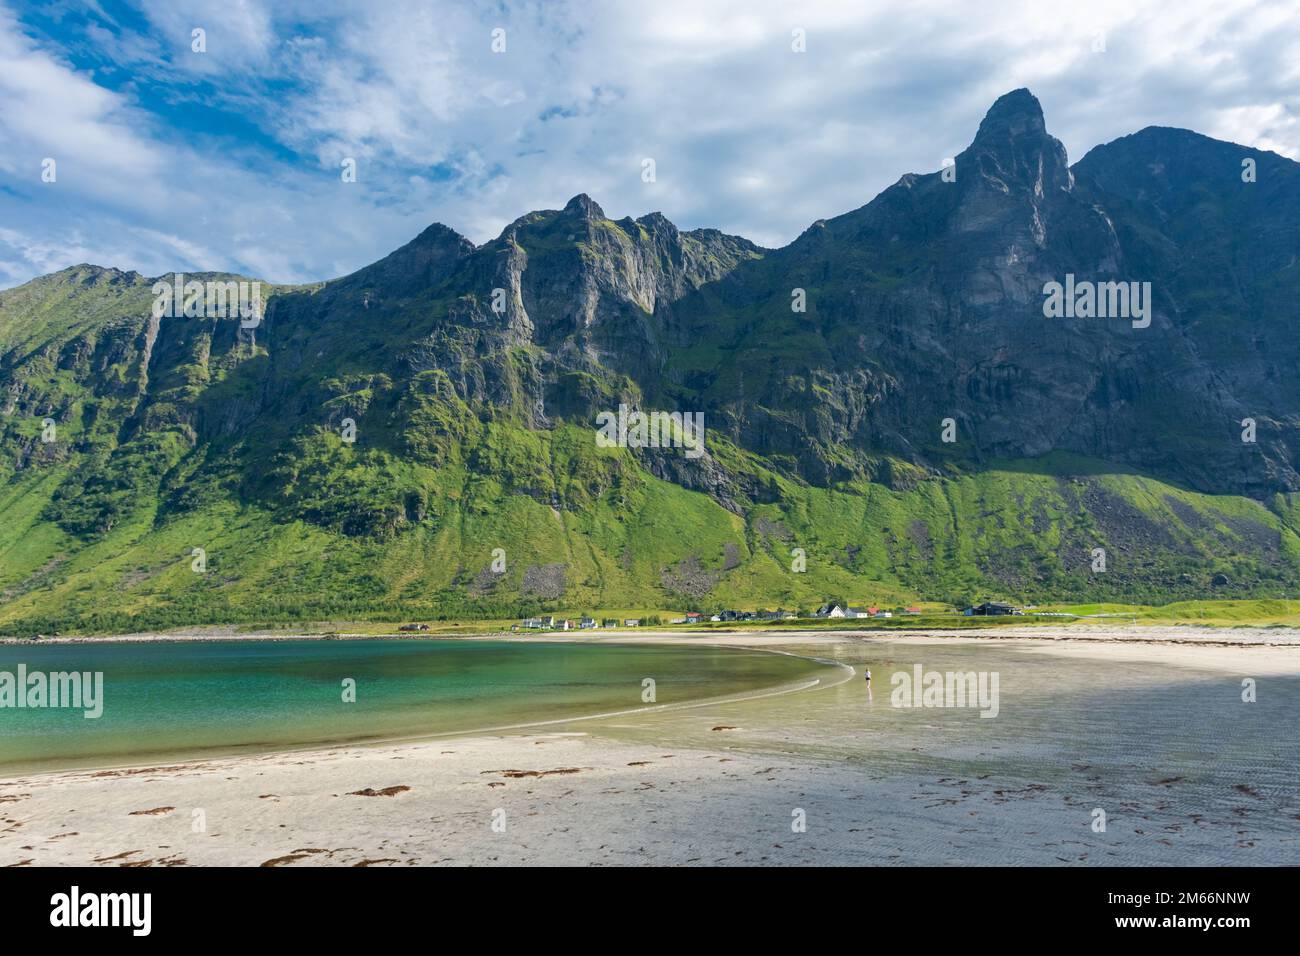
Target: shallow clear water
1052,712
196,699
1170,753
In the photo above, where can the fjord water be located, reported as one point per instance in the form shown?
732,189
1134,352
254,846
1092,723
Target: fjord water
176,700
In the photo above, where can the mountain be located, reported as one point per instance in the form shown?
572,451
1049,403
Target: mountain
418,439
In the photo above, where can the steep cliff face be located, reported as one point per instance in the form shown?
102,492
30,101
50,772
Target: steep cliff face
927,304
1224,251
441,401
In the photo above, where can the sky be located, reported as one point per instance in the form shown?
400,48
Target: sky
232,157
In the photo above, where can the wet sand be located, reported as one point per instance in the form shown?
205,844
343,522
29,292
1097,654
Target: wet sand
1155,735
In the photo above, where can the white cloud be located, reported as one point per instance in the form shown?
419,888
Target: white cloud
748,136
1268,126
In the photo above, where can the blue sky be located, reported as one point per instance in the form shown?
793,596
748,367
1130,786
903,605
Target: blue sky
229,159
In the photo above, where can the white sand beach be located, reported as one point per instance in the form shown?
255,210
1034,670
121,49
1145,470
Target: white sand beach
1102,724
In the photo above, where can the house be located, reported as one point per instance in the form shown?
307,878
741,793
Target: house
728,615
548,622
830,610
609,622
912,610
991,608
857,612
632,622
786,615
414,627
678,620
533,623
694,617
586,623
884,614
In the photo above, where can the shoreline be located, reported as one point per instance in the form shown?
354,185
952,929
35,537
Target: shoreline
179,761
1265,659
707,782
1156,634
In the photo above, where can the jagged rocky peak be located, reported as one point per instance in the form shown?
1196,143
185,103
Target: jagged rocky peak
584,206
87,273
438,234
579,218
423,262
1013,148
1013,114
658,222
436,243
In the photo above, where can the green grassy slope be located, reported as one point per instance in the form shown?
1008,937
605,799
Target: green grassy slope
623,539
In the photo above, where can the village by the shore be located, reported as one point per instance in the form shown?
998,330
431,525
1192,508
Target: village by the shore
828,611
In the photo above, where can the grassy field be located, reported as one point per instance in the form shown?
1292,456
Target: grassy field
1214,614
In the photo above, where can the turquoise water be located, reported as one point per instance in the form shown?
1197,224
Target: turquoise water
167,701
